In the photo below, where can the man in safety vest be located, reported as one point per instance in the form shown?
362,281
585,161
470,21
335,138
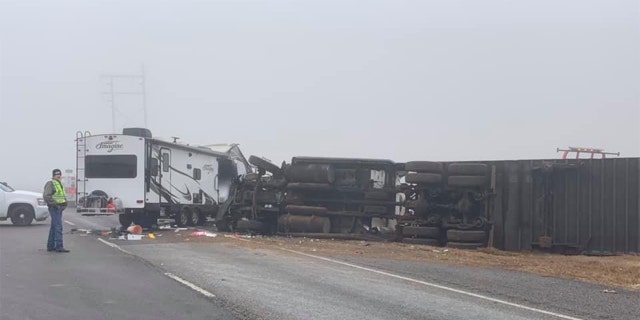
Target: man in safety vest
56,201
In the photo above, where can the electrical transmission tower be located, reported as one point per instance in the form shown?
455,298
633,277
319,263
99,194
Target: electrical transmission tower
113,92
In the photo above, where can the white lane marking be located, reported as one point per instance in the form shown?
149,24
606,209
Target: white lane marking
69,222
170,275
113,245
190,285
479,296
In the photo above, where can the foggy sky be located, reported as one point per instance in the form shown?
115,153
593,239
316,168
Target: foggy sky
391,79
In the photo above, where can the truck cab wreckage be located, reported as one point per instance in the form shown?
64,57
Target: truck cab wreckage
149,178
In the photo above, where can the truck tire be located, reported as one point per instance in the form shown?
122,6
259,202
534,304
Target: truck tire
308,186
464,245
183,218
426,242
424,232
223,225
376,210
22,215
249,225
197,217
423,166
100,196
466,235
251,177
125,220
313,173
379,195
305,210
467,169
265,165
467,181
427,178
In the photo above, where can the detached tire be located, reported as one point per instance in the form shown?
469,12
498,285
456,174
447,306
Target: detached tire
22,215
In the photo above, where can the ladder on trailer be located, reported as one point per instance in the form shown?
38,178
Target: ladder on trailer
588,151
81,153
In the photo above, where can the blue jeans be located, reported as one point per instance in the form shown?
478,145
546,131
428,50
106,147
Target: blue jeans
55,231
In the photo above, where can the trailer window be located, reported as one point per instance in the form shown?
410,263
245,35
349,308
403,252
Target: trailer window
165,162
197,174
111,166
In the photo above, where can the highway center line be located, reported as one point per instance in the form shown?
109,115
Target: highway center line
479,296
170,275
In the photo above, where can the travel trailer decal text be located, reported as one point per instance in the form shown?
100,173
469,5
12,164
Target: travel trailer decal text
110,145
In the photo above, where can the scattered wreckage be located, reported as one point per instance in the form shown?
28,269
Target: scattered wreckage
145,179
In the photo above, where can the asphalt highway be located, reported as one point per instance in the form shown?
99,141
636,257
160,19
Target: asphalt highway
116,279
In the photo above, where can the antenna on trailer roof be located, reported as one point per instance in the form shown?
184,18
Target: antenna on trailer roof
175,139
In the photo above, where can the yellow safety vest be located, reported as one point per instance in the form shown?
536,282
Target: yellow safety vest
59,197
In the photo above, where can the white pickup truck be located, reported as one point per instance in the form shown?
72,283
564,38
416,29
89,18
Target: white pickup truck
22,207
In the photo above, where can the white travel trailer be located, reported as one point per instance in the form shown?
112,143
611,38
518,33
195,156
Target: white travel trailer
146,178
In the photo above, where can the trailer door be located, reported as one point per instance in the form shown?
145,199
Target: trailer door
165,176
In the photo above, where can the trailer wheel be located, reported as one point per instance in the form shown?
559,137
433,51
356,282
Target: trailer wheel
22,215
125,219
265,164
184,217
197,217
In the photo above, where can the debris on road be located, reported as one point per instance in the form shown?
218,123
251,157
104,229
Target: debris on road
203,234
134,229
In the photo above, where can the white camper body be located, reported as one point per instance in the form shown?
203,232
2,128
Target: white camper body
148,178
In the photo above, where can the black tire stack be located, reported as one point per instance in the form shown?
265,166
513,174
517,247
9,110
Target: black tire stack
472,177
421,235
424,174
306,181
467,175
466,239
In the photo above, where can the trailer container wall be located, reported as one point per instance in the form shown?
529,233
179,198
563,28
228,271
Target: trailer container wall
590,205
